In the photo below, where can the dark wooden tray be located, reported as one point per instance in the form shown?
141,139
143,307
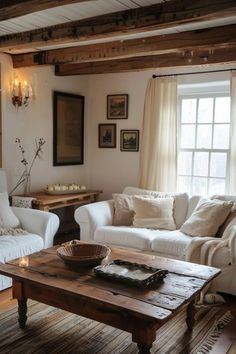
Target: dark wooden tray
134,274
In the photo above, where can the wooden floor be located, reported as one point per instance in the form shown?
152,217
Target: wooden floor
226,344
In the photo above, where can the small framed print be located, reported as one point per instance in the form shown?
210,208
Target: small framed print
107,135
129,140
117,106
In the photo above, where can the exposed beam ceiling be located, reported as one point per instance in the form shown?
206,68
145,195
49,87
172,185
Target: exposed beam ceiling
15,8
196,58
167,34
221,37
159,16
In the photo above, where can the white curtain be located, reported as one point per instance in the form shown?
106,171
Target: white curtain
158,156
233,136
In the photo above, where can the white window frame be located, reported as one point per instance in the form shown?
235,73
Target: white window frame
197,96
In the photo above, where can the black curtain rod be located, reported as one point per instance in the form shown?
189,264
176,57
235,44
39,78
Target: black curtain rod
193,73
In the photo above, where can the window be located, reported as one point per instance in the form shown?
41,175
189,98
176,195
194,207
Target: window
204,144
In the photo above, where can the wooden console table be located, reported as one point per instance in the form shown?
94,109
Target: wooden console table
47,202
64,206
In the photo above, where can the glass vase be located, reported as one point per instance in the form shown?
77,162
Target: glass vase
27,183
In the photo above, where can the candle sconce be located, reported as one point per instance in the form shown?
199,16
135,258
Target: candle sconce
21,93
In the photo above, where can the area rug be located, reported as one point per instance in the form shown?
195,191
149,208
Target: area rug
53,331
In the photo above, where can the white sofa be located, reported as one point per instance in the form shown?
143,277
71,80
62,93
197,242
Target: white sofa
40,226
95,222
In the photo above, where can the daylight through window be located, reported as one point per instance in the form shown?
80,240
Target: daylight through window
204,144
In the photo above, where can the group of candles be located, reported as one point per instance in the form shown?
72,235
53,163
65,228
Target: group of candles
21,93
57,187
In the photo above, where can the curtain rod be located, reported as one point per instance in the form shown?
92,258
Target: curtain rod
193,73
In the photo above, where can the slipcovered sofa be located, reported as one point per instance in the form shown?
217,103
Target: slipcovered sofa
27,230
96,225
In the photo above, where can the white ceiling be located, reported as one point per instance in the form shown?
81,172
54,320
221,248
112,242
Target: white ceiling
67,13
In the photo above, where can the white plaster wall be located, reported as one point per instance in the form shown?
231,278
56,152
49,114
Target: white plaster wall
107,169
112,169
36,121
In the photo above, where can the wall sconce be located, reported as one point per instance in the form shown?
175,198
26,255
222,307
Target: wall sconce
21,93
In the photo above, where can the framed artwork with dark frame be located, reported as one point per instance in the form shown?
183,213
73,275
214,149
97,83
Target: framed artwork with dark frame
129,140
117,106
68,129
107,135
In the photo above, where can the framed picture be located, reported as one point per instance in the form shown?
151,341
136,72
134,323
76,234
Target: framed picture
129,140
68,129
117,106
107,135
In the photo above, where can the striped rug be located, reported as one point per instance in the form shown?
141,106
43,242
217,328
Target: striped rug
53,331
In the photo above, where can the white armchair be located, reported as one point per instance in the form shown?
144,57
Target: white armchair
40,229
38,222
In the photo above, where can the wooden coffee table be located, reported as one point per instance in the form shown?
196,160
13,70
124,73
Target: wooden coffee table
140,312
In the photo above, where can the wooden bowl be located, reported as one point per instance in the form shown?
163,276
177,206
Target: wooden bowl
85,255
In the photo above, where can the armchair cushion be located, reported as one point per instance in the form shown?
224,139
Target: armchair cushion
7,218
12,247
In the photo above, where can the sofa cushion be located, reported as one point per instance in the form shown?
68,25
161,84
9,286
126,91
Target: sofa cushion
207,217
125,236
123,210
12,247
180,203
172,243
7,217
155,213
192,203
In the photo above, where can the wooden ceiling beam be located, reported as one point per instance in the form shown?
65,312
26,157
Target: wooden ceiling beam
208,38
194,58
165,15
15,8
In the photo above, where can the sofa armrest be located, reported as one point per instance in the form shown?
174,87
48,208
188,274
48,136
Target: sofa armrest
210,247
230,236
90,216
38,222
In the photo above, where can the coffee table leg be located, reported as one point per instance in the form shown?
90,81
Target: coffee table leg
144,334
22,311
144,349
191,311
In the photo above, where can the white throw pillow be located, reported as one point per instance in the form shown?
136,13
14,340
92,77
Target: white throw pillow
154,213
180,201
207,217
228,221
123,210
7,217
